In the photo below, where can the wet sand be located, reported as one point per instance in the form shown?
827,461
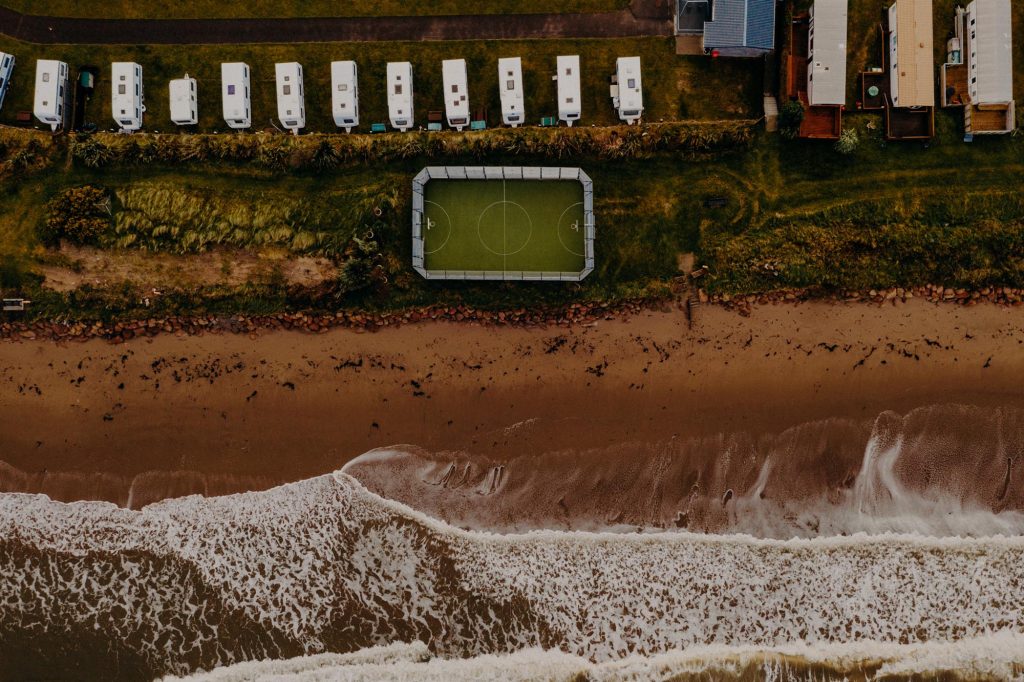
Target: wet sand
84,420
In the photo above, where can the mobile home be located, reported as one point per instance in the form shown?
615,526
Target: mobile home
127,97
629,92
345,94
6,69
910,105
51,91
184,106
510,86
291,98
826,53
400,100
234,78
568,77
456,97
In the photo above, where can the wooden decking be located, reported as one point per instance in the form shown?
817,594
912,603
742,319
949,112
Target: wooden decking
955,92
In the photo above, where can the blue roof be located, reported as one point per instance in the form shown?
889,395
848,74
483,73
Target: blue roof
741,23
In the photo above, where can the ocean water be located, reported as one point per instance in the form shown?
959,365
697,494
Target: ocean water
779,556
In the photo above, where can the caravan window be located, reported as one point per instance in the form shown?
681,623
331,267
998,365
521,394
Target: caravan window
121,89
455,88
510,85
631,83
398,89
46,77
287,89
342,87
231,89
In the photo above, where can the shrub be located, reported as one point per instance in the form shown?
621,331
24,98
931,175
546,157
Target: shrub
848,142
790,117
81,215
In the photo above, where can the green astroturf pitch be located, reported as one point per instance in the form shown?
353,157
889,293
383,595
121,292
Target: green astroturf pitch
504,225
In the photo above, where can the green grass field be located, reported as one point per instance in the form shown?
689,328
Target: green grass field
213,9
504,225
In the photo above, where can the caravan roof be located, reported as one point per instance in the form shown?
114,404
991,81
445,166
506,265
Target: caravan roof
183,100
400,95
510,87
914,60
992,52
345,94
568,87
826,72
456,97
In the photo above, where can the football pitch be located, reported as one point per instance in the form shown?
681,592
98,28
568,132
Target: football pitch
502,226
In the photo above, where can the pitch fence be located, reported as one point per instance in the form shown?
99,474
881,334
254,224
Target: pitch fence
539,173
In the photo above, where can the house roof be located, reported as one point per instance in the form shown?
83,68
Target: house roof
914,53
741,23
993,49
827,68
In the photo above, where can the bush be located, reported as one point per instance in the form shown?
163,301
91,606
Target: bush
848,142
81,215
790,117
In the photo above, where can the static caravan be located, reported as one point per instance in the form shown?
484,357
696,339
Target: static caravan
184,106
6,69
456,97
51,91
510,85
568,78
826,53
911,60
234,78
291,97
988,46
629,100
127,98
400,109
345,94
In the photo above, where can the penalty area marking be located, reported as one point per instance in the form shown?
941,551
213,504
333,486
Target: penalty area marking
576,227
432,225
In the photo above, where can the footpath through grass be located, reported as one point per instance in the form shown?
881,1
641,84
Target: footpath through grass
214,9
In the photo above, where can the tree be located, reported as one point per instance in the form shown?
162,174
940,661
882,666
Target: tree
80,214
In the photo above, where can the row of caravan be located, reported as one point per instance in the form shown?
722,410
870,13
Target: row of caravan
128,100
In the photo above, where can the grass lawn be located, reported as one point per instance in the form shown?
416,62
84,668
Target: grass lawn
675,87
170,9
504,226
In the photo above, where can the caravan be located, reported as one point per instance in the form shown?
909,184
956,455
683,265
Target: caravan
127,98
184,107
510,86
234,78
400,99
456,97
628,90
51,92
568,77
6,69
291,98
345,94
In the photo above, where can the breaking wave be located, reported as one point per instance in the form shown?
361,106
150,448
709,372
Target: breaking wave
324,565
943,470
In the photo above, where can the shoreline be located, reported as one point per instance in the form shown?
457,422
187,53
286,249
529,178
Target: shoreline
218,413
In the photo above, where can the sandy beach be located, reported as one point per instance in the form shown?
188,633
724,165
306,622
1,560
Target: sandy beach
225,413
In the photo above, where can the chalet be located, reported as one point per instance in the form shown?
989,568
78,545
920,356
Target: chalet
727,28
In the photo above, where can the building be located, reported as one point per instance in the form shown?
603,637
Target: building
400,95
184,103
826,53
291,98
345,94
510,87
728,28
456,97
237,107
978,74
127,96
51,92
628,93
568,77
910,106
6,69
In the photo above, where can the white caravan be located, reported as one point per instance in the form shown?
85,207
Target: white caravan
127,98
345,94
568,77
400,99
456,96
6,69
291,98
234,78
184,105
51,92
510,87
630,98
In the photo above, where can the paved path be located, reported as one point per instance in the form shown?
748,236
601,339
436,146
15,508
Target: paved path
643,18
